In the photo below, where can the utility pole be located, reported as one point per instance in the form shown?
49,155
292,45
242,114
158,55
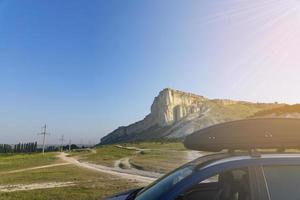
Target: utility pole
70,145
44,133
62,142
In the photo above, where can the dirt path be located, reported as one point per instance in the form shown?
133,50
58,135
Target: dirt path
34,186
34,168
110,170
190,155
124,165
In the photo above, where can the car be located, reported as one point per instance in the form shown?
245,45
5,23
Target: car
253,159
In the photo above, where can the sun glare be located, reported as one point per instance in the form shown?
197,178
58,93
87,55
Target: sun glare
273,27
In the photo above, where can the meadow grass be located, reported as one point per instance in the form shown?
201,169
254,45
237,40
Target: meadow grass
156,156
88,184
162,161
166,155
178,146
104,155
21,161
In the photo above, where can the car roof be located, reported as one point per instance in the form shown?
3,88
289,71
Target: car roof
246,158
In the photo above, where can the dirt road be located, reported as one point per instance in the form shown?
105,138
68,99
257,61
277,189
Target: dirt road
110,170
34,186
34,168
123,168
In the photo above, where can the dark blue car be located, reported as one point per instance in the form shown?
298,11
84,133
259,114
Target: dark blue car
257,166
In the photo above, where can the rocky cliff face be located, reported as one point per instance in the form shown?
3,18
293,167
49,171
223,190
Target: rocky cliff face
170,106
175,114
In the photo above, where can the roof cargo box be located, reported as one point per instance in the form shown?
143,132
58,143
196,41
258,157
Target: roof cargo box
259,133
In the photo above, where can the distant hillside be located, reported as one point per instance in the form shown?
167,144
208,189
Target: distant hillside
292,111
175,114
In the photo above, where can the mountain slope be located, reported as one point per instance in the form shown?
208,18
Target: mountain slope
287,111
175,114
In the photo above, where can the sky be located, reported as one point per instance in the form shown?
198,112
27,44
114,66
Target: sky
88,67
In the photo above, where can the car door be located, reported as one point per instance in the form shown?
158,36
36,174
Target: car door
280,181
233,183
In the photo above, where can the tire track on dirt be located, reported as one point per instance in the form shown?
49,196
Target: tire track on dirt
34,186
34,168
105,169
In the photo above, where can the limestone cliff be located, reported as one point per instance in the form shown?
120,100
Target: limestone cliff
170,106
175,114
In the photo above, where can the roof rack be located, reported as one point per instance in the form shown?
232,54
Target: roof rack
249,135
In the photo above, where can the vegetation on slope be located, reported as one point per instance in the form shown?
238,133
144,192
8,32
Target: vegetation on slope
287,109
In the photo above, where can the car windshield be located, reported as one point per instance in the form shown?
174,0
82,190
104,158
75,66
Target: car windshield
168,181
165,183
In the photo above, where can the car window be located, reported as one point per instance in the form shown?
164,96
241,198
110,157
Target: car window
232,184
213,179
283,182
237,175
164,184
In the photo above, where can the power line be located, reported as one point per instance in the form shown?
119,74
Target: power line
44,133
62,142
70,145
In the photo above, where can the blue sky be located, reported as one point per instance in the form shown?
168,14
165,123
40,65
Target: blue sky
87,67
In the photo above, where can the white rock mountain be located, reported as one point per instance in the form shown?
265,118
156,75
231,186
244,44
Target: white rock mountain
175,114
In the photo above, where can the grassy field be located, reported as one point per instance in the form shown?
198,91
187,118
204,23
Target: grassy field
166,156
159,160
178,146
105,155
87,184
84,184
21,161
